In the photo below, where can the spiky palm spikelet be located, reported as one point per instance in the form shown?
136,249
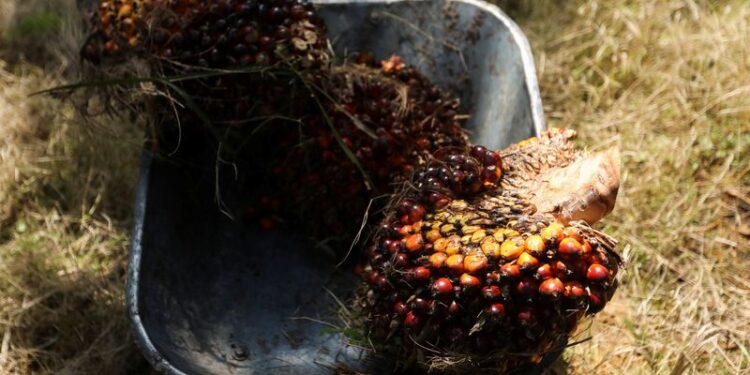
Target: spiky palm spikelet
499,273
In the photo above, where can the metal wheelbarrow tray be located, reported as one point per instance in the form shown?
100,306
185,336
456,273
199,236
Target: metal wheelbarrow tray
207,295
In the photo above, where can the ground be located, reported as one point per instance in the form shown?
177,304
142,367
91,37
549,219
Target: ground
666,81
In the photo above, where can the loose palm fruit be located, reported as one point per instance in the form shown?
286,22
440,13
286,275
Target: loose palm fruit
491,292
440,244
421,273
401,260
544,272
552,287
414,242
527,262
526,288
442,286
597,299
421,304
535,245
507,277
597,272
437,260
510,271
491,248
574,290
526,316
496,310
570,247
453,246
562,270
469,281
412,321
455,263
400,309
572,233
586,249
474,263
433,235
511,249
553,232
406,230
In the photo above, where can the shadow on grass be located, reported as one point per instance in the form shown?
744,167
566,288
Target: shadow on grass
559,367
69,320
63,260
64,264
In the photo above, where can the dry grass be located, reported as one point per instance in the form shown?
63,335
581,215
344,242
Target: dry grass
65,206
668,81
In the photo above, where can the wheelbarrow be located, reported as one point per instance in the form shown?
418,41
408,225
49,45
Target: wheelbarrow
207,295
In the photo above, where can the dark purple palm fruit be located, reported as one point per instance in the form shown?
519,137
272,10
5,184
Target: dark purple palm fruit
378,124
494,275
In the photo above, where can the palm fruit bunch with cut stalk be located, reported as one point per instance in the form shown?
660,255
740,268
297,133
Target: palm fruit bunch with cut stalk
463,277
377,125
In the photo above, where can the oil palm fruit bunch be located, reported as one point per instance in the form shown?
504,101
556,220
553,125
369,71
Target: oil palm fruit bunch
228,61
362,125
466,276
379,122
216,33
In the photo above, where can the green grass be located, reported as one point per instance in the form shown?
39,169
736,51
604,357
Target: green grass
38,25
666,81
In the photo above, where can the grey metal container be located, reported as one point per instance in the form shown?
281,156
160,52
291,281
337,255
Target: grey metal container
206,295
